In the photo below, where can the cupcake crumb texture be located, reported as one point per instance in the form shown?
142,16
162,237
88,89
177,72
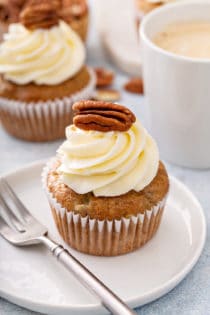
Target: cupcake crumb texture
129,204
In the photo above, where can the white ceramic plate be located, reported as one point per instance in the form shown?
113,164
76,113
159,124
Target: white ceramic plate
32,278
119,34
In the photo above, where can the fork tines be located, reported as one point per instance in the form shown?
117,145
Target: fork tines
13,210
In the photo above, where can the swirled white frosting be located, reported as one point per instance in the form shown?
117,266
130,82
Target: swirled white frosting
108,163
43,56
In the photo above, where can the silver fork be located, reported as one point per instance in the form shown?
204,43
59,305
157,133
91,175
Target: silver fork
20,228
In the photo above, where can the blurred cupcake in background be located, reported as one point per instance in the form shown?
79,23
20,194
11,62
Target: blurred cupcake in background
73,12
43,72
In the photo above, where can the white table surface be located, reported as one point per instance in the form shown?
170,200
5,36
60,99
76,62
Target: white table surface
191,297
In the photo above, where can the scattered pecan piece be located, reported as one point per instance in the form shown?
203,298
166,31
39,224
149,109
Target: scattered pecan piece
107,95
135,85
102,116
40,14
104,77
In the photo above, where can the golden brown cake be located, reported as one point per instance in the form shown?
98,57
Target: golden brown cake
103,202
73,12
42,67
33,93
110,208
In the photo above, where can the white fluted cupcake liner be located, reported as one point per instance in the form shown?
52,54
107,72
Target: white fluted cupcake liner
43,120
103,237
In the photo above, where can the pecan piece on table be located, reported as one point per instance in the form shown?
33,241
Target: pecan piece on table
104,77
102,116
135,85
107,95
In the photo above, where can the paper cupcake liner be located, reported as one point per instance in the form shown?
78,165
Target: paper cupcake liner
103,237
43,120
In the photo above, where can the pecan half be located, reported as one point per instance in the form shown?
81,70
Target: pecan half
102,116
4,12
8,12
40,14
17,3
135,85
104,77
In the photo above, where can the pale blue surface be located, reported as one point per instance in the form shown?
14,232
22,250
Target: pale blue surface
192,296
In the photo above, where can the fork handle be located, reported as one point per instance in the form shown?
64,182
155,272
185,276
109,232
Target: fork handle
109,299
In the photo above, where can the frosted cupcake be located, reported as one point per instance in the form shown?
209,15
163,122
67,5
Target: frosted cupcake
107,188
42,66
73,12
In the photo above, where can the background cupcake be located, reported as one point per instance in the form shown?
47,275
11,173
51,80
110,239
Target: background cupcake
42,74
107,188
73,12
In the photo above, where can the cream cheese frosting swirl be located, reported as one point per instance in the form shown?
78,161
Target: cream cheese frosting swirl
108,163
42,56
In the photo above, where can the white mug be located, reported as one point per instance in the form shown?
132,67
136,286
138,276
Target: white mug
177,89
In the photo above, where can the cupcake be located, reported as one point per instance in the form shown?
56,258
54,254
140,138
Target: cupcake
73,12
43,72
106,187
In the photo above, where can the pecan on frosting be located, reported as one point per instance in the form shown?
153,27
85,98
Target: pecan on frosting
40,14
9,11
17,3
102,116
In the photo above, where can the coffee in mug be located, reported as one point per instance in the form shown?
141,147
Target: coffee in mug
189,39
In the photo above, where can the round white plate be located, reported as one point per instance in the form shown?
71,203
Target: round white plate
32,278
119,34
